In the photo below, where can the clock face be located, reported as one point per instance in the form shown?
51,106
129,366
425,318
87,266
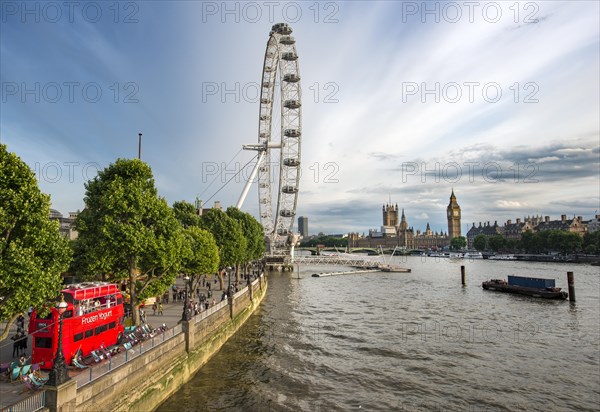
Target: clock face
456,213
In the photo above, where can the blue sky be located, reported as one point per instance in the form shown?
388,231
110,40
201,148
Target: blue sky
401,101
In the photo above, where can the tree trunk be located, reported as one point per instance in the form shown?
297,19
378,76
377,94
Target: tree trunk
9,322
237,273
132,295
221,281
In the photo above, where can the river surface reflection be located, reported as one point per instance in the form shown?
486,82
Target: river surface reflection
409,341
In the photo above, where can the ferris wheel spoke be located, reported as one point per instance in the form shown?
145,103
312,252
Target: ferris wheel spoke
279,127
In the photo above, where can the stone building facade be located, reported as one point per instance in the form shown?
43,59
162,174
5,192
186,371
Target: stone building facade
394,233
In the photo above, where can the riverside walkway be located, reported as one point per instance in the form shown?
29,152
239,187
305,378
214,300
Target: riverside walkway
15,392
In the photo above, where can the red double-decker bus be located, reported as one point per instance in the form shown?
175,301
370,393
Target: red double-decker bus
94,318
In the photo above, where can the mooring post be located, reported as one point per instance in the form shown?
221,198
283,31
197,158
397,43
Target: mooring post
462,275
571,283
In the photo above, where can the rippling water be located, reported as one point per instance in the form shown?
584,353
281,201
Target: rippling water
416,341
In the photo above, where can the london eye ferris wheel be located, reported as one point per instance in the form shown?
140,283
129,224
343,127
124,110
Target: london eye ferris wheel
279,128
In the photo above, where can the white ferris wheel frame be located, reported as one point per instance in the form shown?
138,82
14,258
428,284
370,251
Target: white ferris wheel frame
280,56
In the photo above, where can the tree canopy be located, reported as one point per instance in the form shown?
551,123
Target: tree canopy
129,232
228,234
253,232
327,241
458,243
591,242
33,254
200,254
480,242
186,214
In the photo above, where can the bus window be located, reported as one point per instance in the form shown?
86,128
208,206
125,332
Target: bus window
89,333
101,329
77,337
112,325
43,342
68,314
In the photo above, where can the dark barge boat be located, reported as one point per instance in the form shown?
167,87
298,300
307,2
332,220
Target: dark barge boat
535,287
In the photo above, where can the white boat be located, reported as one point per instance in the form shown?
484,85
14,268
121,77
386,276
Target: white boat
455,255
437,254
473,255
503,257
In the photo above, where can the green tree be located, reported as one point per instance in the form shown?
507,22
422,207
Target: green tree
33,254
511,244
564,242
458,243
129,232
496,243
229,237
327,241
591,242
186,214
480,242
200,253
529,242
253,232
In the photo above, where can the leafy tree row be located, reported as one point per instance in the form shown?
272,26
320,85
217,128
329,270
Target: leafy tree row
327,241
32,253
458,243
127,232
541,242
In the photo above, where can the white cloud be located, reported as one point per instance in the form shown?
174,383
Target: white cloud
367,57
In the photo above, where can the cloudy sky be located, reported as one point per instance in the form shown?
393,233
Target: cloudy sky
402,101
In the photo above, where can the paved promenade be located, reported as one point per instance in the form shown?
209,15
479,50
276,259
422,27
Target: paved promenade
11,393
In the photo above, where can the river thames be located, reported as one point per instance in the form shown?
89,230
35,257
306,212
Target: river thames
414,341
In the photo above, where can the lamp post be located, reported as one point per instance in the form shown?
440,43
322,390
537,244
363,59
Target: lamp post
59,373
185,316
228,282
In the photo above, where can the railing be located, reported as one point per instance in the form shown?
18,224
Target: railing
96,371
240,293
206,313
337,260
31,404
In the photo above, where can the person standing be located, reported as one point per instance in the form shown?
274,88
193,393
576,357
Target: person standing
23,343
17,344
160,309
21,322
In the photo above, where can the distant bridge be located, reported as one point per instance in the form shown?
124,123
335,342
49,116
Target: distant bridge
338,260
368,250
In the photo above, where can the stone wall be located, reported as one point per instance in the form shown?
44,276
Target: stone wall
145,382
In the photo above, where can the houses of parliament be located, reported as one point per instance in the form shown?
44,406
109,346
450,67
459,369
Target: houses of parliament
396,233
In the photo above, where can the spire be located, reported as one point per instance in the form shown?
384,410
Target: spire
452,197
403,217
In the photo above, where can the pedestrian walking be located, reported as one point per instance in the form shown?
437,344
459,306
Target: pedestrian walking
23,343
160,309
21,322
154,307
17,344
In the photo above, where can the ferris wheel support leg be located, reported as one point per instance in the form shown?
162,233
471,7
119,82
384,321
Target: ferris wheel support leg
250,180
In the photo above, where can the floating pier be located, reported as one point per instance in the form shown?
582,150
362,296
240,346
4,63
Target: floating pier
348,272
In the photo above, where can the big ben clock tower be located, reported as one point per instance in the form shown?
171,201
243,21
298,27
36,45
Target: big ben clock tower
453,213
